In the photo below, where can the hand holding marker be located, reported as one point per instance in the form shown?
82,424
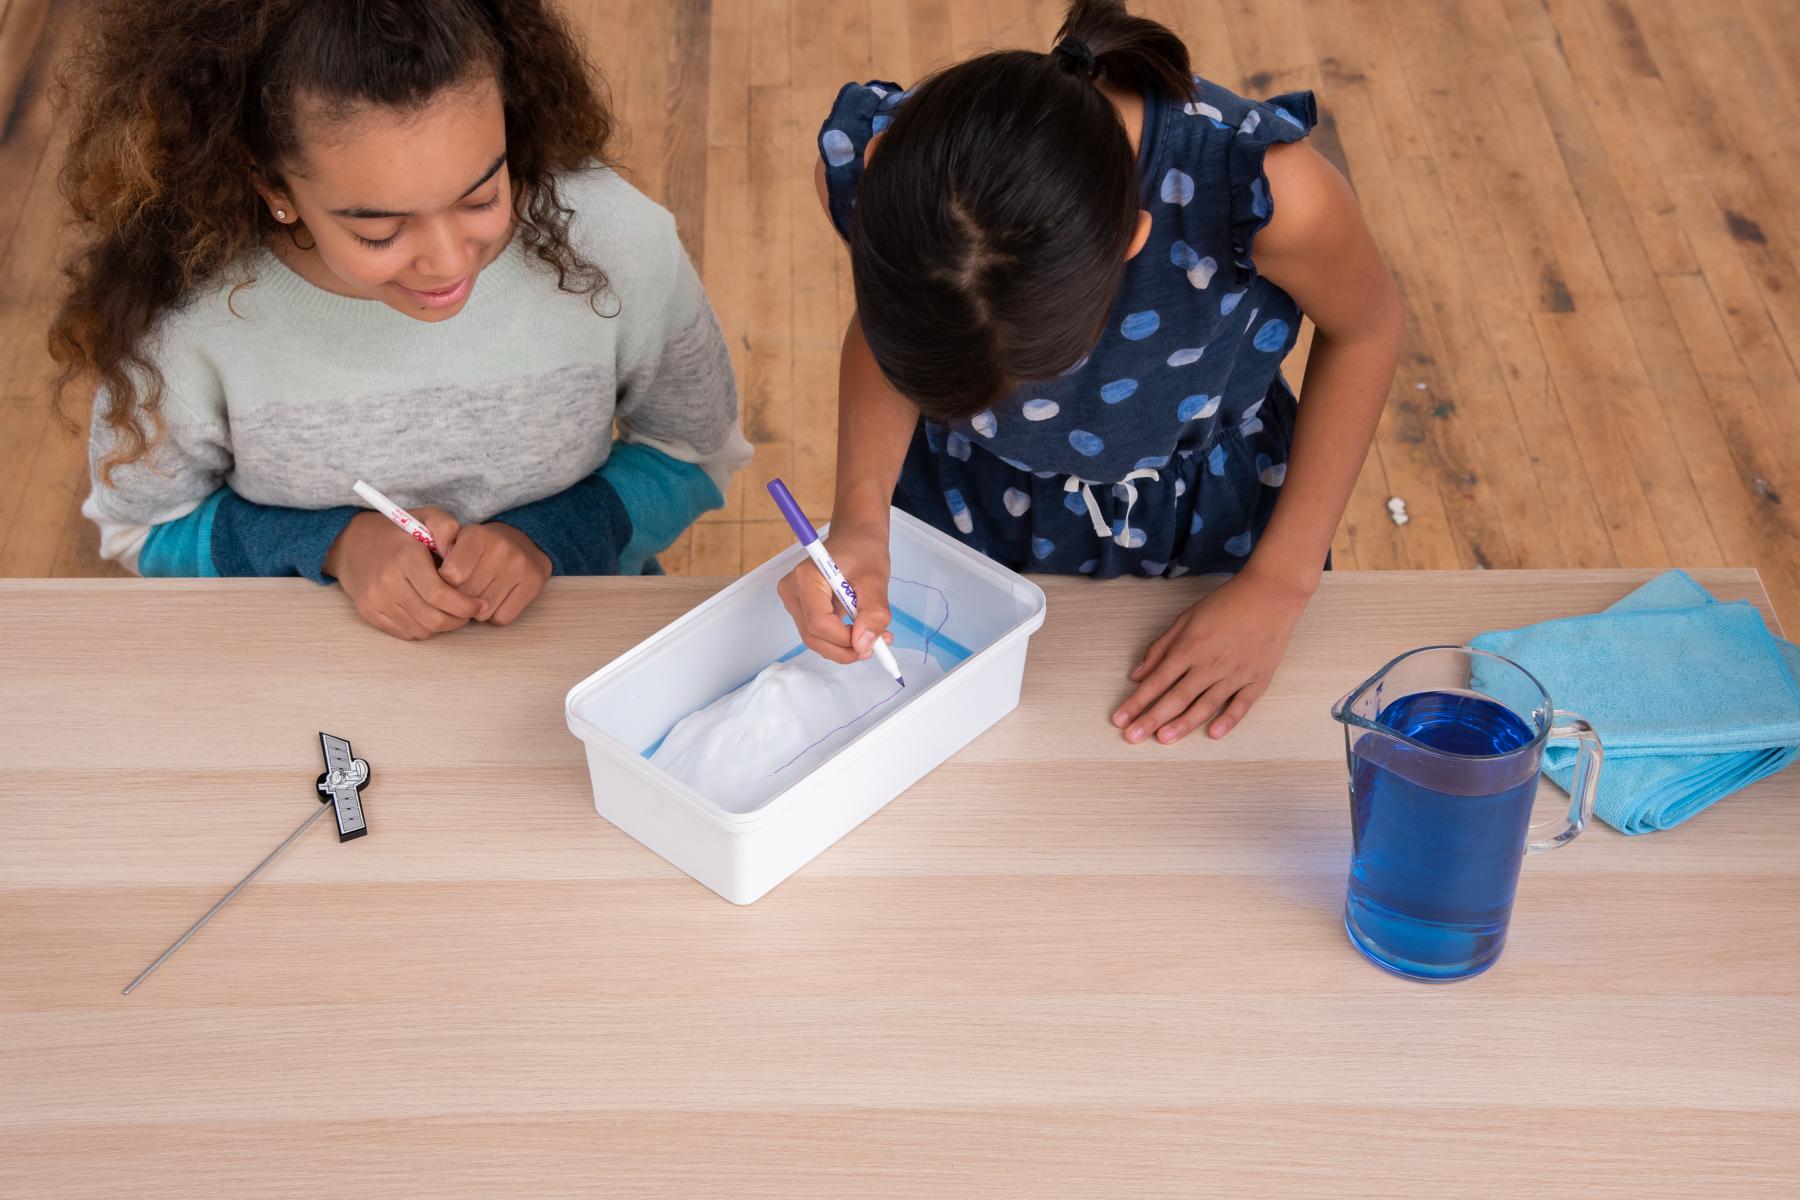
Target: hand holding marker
398,516
815,549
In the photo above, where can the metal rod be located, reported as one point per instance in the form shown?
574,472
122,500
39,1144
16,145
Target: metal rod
226,898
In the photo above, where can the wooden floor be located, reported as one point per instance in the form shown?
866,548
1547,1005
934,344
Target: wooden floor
1593,208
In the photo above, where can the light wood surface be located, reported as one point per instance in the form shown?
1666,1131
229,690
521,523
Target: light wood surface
1058,966
1592,206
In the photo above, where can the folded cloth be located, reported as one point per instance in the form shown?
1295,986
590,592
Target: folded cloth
1692,699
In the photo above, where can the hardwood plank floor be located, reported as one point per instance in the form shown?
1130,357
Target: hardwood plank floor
1593,207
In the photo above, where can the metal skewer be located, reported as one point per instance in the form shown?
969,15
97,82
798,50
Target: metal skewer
226,898
339,790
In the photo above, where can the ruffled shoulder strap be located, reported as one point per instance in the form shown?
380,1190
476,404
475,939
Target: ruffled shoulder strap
860,111
1285,118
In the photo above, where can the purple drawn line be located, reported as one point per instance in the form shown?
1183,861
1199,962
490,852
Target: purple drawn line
898,688
940,625
832,733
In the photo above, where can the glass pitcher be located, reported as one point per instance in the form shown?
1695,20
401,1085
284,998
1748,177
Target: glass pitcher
1444,745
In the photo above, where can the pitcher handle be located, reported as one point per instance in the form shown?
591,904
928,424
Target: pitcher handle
1587,779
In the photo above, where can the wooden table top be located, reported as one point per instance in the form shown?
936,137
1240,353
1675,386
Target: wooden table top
1057,966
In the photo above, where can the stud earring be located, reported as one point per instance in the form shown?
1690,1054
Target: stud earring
281,214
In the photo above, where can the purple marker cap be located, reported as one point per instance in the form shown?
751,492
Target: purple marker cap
784,500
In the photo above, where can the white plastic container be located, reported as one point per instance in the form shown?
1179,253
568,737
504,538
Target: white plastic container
626,708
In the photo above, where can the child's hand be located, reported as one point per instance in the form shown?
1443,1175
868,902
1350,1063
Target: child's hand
862,555
393,580
1219,654
499,568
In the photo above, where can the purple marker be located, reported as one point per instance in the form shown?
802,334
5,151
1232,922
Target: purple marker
815,549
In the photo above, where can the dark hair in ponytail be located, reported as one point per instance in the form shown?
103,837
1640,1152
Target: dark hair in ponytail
991,226
1131,52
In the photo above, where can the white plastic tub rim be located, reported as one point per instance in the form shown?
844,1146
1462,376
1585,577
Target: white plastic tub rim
1028,594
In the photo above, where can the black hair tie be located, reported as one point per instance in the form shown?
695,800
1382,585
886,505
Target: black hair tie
1077,54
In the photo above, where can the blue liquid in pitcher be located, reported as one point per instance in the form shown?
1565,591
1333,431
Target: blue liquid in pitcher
1438,841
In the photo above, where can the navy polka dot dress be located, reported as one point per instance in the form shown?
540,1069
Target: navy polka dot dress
1163,451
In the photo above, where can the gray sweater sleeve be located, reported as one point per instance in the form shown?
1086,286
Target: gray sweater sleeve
189,455
171,514
677,393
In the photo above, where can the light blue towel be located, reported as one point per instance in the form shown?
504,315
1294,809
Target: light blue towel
1692,699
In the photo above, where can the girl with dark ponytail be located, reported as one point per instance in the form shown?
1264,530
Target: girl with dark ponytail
1077,273
323,240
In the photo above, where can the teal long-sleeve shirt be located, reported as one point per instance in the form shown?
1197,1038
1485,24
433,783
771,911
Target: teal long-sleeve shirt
612,523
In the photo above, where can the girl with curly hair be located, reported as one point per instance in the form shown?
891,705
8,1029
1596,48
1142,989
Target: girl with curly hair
324,240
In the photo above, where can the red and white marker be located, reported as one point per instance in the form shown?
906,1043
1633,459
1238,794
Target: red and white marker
398,516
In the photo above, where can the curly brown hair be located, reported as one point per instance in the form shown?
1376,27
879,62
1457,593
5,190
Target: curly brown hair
175,105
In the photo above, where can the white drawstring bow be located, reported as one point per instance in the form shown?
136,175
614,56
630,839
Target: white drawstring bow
1101,528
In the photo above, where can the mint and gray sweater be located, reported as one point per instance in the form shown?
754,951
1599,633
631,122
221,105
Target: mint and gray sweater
279,395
